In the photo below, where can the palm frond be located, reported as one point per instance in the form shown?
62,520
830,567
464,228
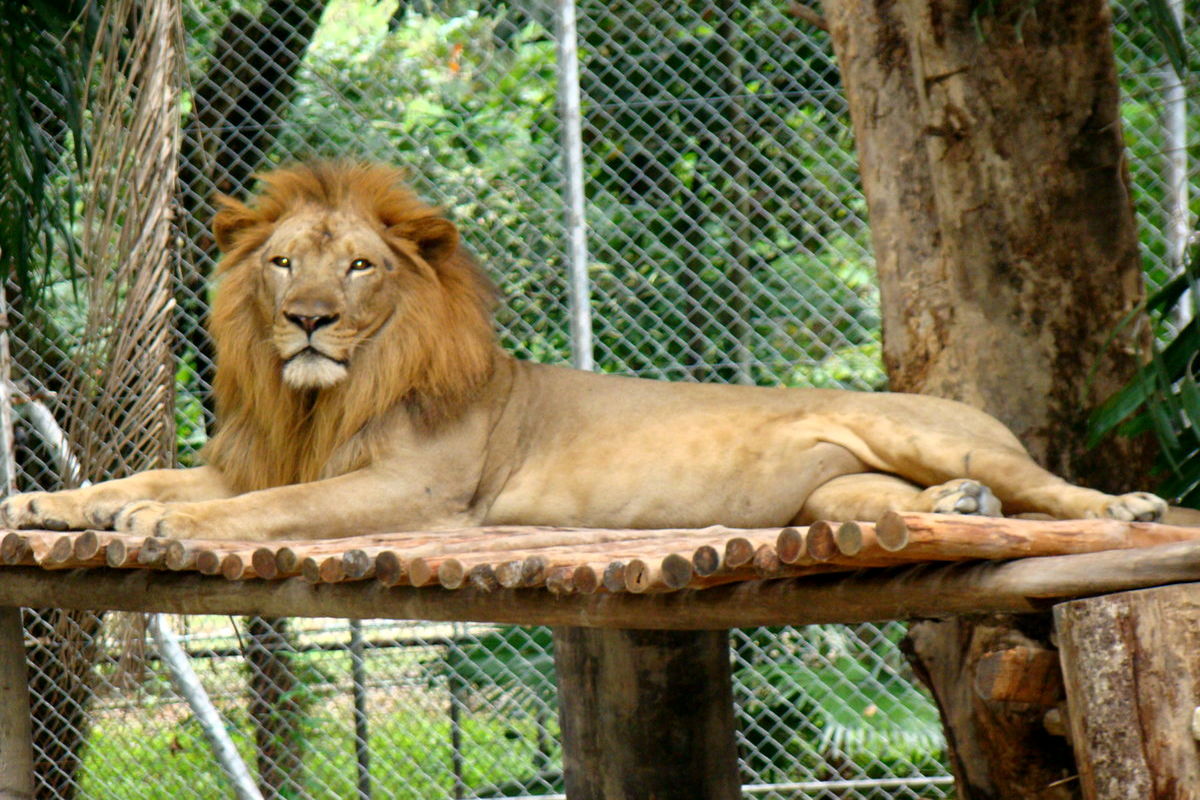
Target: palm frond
1164,396
122,410
44,50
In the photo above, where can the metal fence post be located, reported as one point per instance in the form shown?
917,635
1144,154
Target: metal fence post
16,728
576,227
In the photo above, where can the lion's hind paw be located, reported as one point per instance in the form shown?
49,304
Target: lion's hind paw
962,496
1136,507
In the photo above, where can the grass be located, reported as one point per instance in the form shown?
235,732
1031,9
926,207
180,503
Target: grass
410,740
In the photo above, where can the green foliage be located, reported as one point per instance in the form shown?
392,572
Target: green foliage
1166,29
818,696
44,50
1164,396
511,660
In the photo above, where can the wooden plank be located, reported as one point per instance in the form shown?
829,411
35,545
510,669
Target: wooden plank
646,714
1027,585
954,536
16,733
1132,668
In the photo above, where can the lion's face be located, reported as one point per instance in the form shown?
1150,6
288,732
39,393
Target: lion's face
336,277
328,280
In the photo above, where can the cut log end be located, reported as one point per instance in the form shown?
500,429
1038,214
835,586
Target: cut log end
287,561
310,570
560,580
357,564
421,572
789,546
263,561
153,552
450,574
61,551
614,576
677,571
586,580
234,567
179,555
389,568
483,578
207,562
534,571
15,549
87,546
766,562
821,541
891,531
706,560
849,538
331,570
738,552
509,573
117,553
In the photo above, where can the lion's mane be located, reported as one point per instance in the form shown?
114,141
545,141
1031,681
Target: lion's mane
428,361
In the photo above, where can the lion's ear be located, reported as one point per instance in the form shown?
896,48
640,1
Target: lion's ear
436,237
231,220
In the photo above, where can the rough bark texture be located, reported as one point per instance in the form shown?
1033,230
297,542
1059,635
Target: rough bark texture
275,709
16,730
646,714
992,159
1133,682
998,748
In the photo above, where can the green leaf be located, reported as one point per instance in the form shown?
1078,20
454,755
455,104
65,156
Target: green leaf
1166,28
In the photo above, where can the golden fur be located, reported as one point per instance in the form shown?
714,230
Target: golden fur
433,359
359,390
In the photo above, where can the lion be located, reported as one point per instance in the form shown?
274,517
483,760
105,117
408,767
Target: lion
360,389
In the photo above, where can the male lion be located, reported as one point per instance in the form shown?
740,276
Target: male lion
360,390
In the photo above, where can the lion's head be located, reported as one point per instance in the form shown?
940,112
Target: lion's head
341,297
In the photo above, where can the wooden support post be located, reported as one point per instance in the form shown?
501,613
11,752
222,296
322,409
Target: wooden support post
1132,668
16,733
646,714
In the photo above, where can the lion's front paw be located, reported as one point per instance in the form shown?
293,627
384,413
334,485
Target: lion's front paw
52,511
963,496
151,518
1136,507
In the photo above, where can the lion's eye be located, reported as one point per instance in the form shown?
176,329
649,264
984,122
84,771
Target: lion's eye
283,262
360,265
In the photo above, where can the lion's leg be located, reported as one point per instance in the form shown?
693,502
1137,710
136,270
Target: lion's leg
1024,486
867,496
95,506
356,503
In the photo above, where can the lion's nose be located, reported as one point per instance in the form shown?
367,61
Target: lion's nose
310,323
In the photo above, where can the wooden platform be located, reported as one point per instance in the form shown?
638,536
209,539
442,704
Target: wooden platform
639,616
911,565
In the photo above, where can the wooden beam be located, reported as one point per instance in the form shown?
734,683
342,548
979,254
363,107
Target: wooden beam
941,590
16,733
646,714
1132,668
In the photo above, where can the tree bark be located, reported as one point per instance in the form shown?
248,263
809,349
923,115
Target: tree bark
240,104
275,709
992,159
646,714
16,729
1133,681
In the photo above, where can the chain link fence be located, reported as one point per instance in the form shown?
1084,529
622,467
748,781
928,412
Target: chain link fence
728,242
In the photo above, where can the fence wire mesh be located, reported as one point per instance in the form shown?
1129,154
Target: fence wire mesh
728,241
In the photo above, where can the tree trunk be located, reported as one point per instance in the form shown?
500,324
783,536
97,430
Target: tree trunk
240,103
646,714
992,160
276,709
1133,679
